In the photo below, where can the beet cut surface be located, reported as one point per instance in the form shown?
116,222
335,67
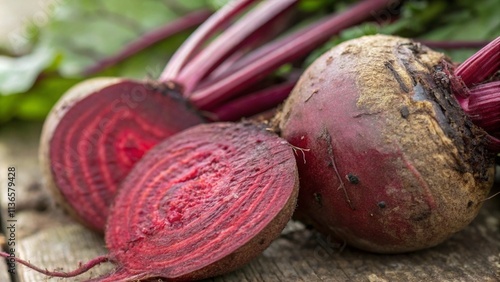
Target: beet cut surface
202,203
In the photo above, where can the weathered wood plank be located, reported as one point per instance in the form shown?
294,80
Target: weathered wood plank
49,239
18,156
44,235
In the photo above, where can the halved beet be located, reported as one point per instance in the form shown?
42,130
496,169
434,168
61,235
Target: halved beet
95,134
202,203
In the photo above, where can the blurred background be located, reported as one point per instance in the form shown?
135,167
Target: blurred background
47,46
13,16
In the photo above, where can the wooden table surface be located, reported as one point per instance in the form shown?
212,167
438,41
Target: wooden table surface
48,238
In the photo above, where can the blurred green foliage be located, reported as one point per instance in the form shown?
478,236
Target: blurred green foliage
79,33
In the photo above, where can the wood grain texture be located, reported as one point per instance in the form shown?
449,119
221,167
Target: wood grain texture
50,239
4,271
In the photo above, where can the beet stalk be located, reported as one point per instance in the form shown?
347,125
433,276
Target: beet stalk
254,103
394,163
201,203
229,41
200,35
281,52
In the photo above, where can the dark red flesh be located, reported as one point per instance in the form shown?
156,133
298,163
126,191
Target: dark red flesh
195,204
101,137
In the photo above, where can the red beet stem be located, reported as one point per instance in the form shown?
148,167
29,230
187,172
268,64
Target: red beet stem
229,41
148,39
225,66
481,65
261,36
484,107
294,47
81,269
226,70
207,29
254,103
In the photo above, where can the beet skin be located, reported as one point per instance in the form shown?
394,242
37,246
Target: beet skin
394,165
94,135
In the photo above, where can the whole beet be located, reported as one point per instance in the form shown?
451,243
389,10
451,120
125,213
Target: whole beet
391,162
